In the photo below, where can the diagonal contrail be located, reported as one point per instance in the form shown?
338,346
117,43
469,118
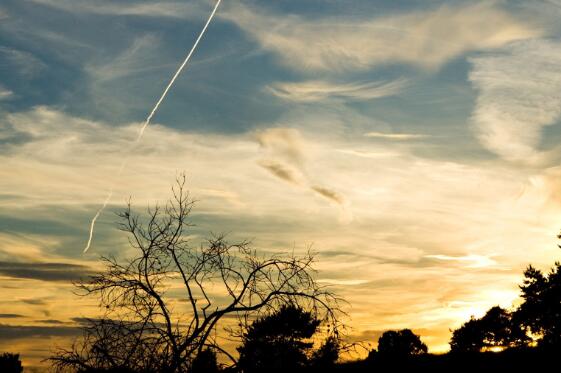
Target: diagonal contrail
149,118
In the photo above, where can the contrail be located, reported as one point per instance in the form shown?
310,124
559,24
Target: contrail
149,118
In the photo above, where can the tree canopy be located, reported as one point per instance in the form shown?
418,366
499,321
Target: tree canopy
283,342
540,312
400,343
496,329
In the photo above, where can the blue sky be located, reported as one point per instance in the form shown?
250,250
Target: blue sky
414,144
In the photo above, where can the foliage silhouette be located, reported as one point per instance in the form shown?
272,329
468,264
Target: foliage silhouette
142,330
10,363
496,329
396,344
282,342
326,356
205,362
540,312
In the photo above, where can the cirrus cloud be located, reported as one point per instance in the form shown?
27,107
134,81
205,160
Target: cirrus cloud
426,38
518,95
318,90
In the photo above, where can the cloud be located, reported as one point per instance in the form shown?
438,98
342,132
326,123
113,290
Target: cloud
405,207
329,194
318,90
285,143
346,282
426,39
518,95
12,332
368,154
394,136
10,316
168,9
366,336
472,261
287,153
282,171
59,272
139,57
25,63
5,94
35,301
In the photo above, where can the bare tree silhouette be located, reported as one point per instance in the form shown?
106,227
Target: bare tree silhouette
144,328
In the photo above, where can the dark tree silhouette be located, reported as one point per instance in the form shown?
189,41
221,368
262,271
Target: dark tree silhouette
144,331
10,363
541,310
205,362
497,329
282,342
400,344
326,356
468,338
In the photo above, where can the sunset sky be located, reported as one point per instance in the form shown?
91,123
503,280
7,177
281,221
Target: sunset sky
414,145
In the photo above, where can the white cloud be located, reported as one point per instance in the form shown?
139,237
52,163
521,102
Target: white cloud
171,9
140,56
519,93
5,94
368,154
394,136
421,38
472,261
318,90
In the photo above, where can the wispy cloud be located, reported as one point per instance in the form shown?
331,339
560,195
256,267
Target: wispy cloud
368,154
5,94
282,171
25,63
471,261
421,38
12,332
170,9
10,316
405,207
518,95
329,194
343,282
44,271
318,90
394,136
286,152
139,57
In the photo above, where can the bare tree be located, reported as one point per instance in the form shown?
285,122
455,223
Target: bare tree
149,326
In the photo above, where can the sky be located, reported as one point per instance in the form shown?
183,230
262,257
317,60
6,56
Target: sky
414,145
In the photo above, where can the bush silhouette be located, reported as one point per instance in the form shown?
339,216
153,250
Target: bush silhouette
10,363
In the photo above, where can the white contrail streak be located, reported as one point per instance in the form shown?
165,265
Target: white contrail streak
149,118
